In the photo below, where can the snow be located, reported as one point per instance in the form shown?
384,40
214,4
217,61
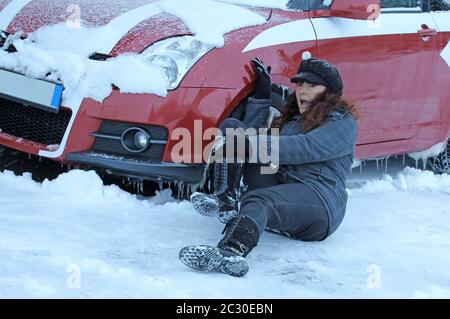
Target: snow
74,237
276,4
210,20
433,151
63,50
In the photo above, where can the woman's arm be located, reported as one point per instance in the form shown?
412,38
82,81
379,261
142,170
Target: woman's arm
333,139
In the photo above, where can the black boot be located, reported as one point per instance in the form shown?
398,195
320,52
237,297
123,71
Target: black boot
224,202
241,236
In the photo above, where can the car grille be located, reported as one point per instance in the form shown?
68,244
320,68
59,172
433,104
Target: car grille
109,143
33,124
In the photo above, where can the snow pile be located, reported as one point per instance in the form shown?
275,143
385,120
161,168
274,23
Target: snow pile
73,237
62,52
81,76
410,180
210,20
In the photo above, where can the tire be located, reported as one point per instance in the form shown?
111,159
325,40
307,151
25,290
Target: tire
441,163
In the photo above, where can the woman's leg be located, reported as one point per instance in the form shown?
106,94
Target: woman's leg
254,179
292,209
227,176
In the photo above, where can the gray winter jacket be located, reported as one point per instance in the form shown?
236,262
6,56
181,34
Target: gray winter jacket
321,158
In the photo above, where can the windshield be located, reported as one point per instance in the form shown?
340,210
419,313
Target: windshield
306,5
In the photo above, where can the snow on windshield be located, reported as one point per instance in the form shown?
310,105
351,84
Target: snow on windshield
61,52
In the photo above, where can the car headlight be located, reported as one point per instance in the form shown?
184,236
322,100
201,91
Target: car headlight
176,56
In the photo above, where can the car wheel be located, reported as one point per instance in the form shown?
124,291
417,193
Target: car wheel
440,164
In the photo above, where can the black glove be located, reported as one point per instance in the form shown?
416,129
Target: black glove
263,80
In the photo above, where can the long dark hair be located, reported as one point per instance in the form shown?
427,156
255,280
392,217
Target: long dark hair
318,112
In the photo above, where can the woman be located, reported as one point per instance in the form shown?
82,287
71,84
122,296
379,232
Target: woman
306,199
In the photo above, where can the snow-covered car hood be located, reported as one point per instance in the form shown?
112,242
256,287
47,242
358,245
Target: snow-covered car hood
137,23
60,37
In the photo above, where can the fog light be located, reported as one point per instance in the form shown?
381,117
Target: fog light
140,140
135,140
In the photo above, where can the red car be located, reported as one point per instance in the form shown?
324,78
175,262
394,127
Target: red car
395,66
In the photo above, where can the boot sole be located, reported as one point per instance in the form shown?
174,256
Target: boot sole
208,207
204,205
207,258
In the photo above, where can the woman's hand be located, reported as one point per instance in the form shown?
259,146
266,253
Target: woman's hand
263,79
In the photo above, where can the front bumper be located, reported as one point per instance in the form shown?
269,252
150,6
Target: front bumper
187,173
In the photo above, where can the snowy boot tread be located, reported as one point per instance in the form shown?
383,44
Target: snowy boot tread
208,205
206,258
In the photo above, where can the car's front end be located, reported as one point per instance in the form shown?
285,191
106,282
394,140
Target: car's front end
133,135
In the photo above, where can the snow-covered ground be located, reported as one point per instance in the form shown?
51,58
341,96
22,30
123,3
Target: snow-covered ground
74,237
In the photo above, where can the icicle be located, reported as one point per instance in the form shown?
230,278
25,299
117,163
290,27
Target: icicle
417,163
180,190
386,165
361,168
29,156
404,159
377,164
160,184
424,160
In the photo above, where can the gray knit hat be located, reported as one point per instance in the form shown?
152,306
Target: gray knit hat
319,72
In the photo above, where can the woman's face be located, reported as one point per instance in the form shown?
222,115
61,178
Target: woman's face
307,92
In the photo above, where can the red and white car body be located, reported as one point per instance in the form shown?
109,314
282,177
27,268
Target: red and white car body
396,68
